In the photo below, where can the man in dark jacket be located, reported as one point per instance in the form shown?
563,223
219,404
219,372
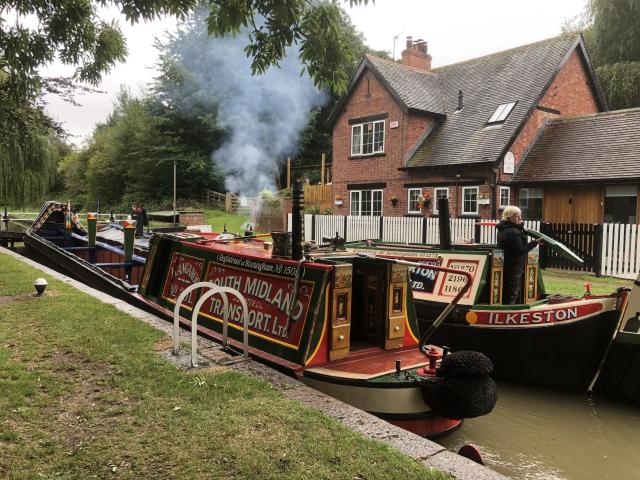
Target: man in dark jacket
513,240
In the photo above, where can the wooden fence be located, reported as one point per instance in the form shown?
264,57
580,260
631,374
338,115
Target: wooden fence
319,196
609,249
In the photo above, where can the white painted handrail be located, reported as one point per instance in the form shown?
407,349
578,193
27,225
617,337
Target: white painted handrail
225,319
213,289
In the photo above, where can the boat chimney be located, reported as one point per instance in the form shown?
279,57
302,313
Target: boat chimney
297,211
443,223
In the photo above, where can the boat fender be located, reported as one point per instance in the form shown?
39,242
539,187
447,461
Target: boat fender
465,364
462,387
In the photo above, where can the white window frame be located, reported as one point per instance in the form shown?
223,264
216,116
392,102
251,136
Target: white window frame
435,197
358,149
358,194
477,210
501,113
410,203
508,189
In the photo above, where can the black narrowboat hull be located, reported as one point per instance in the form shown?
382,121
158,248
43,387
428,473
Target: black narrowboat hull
562,355
620,375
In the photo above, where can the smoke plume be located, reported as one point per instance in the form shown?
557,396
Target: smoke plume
263,115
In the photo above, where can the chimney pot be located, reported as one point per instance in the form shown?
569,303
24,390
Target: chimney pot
416,55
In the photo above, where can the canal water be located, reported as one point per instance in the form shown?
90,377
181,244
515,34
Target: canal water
541,434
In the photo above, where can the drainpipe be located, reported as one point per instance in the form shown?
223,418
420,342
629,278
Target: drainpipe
494,194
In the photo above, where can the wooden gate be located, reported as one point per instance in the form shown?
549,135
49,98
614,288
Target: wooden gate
585,239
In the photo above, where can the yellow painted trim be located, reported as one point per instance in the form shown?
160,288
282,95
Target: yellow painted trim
408,326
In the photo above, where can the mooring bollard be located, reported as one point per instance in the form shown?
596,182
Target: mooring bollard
129,239
92,222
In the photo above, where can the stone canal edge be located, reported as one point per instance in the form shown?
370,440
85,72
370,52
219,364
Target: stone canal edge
425,451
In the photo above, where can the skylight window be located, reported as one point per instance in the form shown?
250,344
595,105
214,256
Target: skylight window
501,113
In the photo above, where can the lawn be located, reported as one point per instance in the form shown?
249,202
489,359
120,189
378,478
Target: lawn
561,281
85,394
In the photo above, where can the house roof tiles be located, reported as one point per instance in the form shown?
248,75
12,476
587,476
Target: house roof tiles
600,146
518,75
416,89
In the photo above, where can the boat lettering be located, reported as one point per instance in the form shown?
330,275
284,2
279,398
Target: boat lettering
528,318
423,279
185,271
453,283
257,265
258,320
275,309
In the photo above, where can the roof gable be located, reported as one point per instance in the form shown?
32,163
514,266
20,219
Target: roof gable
412,89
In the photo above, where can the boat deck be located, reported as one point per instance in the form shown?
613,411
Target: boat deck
371,363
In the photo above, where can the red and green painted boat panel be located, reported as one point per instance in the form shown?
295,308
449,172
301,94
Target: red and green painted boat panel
277,324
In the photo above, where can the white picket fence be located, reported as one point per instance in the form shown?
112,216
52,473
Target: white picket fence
620,242
620,250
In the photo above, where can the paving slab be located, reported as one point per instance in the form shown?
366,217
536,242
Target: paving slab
212,358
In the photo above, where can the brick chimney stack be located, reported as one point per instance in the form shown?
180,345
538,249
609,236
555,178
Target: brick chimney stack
416,56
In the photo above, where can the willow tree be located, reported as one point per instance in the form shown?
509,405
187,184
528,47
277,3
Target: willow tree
32,35
73,33
613,39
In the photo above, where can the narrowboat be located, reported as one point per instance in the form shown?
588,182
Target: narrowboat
342,323
619,373
549,340
57,239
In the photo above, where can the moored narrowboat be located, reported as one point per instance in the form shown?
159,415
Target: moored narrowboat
549,340
619,373
344,324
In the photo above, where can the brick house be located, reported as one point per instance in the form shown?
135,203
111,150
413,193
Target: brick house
476,131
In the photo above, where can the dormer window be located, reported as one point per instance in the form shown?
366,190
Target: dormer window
501,113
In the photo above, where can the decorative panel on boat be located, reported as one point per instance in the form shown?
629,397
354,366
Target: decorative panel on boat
341,312
497,266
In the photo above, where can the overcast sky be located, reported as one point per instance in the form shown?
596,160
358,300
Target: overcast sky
455,30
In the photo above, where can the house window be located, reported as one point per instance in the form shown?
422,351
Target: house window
366,203
505,197
414,195
470,200
501,113
530,202
367,138
620,204
438,193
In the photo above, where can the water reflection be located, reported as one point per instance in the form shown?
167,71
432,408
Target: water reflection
539,434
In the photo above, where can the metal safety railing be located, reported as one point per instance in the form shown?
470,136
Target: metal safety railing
213,289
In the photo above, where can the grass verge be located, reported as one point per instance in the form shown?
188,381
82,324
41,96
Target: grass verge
561,281
84,395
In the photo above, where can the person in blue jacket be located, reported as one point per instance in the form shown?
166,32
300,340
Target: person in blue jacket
513,240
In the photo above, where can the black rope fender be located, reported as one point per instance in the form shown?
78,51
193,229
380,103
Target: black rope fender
462,387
